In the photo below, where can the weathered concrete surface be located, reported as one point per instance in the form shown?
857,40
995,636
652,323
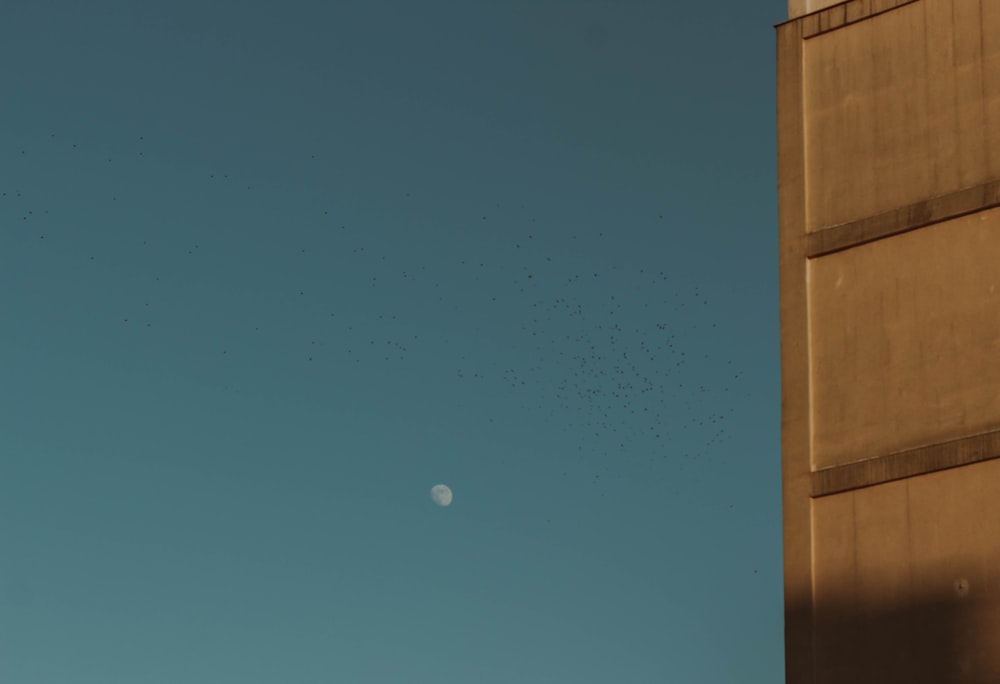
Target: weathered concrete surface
896,108
795,471
889,241
905,340
798,8
906,580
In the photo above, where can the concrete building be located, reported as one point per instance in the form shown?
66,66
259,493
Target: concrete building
889,213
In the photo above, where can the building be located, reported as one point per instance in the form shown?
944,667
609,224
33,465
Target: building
889,234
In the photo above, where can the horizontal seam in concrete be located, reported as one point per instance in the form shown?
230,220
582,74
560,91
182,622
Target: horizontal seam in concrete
904,464
918,215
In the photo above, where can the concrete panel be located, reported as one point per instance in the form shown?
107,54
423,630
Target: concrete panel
907,580
900,107
904,340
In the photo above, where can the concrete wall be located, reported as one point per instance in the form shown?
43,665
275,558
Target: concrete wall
889,239
905,340
896,108
796,8
906,580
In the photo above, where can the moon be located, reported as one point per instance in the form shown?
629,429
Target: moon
441,494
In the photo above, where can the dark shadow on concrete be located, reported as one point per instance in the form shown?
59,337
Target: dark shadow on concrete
948,637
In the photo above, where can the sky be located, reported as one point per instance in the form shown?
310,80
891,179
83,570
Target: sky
269,272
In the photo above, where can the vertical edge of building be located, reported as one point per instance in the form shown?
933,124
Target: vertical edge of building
794,354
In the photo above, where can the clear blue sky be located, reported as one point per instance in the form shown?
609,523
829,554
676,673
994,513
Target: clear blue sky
270,271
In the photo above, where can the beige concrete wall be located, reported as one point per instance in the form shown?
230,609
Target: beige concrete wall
907,580
795,475
901,107
797,8
905,340
848,8
889,246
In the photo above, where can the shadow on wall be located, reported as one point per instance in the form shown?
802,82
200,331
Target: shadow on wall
950,636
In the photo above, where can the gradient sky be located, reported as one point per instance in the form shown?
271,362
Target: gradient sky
270,271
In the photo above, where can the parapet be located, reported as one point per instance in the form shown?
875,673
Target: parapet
796,8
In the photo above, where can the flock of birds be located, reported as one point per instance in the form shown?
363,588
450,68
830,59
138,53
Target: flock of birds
611,356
